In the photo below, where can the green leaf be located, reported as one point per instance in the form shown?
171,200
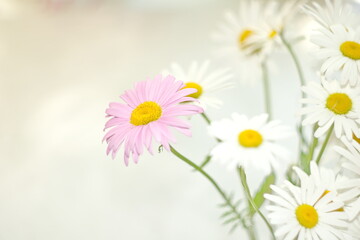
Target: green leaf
264,188
206,161
237,203
230,220
222,205
233,228
225,214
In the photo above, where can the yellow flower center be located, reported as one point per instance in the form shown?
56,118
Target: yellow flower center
145,113
272,34
339,103
307,216
351,50
197,87
250,138
243,36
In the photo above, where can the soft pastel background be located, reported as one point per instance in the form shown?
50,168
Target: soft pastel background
61,62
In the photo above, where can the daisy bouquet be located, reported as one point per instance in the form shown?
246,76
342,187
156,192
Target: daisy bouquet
312,201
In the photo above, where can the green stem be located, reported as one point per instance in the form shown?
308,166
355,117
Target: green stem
324,144
302,137
251,231
295,59
310,156
208,121
250,227
208,157
211,180
251,200
192,164
302,83
267,95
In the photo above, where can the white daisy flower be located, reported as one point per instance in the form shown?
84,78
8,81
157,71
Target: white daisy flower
249,142
305,212
339,48
249,35
206,82
334,12
329,105
352,155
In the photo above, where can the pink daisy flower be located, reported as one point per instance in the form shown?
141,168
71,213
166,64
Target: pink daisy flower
150,109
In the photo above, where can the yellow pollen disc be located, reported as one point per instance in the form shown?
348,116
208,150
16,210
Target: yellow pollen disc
307,216
250,138
197,87
243,36
145,113
351,50
272,34
356,138
339,103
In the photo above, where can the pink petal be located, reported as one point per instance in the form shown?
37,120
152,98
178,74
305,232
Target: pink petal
179,110
174,122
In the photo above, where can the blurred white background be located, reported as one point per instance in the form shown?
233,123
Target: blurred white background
60,66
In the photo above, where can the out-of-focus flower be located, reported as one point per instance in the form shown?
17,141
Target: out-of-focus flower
248,36
339,48
150,109
330,104
352,155
249,142
334,12
305,212
206,82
